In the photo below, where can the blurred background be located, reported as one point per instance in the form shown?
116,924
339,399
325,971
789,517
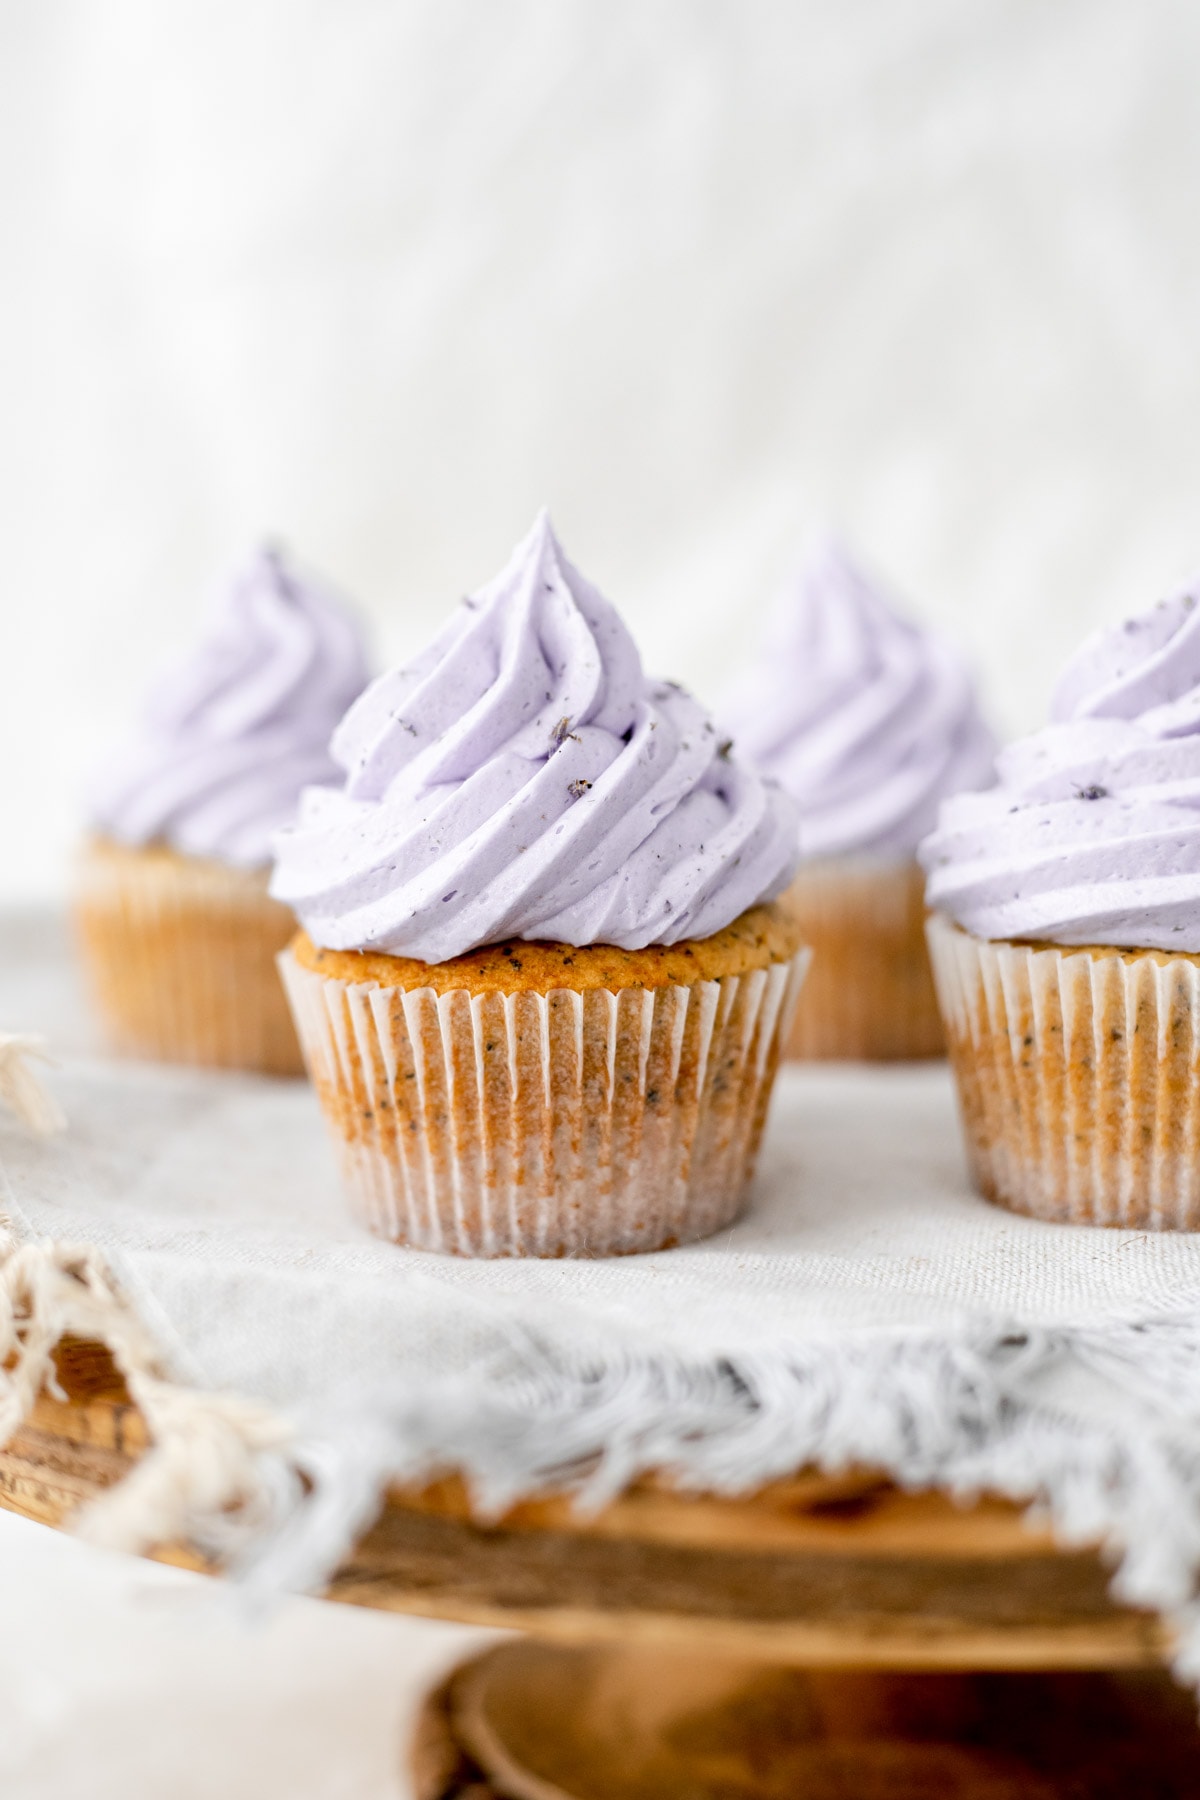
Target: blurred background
380,277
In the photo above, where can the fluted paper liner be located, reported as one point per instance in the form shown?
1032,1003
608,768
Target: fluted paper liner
180,953
1078,1076
870,996
561,1124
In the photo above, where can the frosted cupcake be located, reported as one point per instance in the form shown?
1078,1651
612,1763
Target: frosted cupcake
178,931
1066,941
541,983
869,723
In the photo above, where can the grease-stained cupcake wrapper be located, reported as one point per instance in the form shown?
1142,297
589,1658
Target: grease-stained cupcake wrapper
180,954
870,996
1078,1076
560,1124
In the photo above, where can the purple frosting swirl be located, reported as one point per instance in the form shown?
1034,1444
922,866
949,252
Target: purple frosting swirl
228,740
524,779
867,721
1093,835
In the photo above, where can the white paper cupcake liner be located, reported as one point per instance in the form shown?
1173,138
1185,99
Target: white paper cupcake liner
559,1124
180,954
870,996
1078,1076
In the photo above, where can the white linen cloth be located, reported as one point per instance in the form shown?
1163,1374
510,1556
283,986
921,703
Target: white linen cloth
868,1308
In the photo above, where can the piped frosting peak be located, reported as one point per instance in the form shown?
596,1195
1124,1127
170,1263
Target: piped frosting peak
523,778
229,738
1093,834
867,721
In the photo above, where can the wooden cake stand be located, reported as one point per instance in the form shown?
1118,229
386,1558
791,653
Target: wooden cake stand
828,1638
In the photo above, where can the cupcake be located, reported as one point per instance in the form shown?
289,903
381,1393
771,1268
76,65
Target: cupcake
543,976
1066,941
869,723
178,932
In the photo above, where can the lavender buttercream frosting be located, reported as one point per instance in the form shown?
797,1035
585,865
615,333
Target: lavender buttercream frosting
1093,834
866,720
524,779
228,740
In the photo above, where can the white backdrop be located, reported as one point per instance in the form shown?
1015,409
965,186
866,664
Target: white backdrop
382,275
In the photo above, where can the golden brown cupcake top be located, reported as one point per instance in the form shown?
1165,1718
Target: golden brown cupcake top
764,935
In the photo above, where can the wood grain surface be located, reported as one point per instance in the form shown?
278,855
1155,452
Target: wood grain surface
530,1721
818,1570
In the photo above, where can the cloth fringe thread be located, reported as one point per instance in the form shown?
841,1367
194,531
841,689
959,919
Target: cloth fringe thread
217,1471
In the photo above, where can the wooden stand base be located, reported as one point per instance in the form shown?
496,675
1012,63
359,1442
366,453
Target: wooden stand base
535,1721
636,1681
